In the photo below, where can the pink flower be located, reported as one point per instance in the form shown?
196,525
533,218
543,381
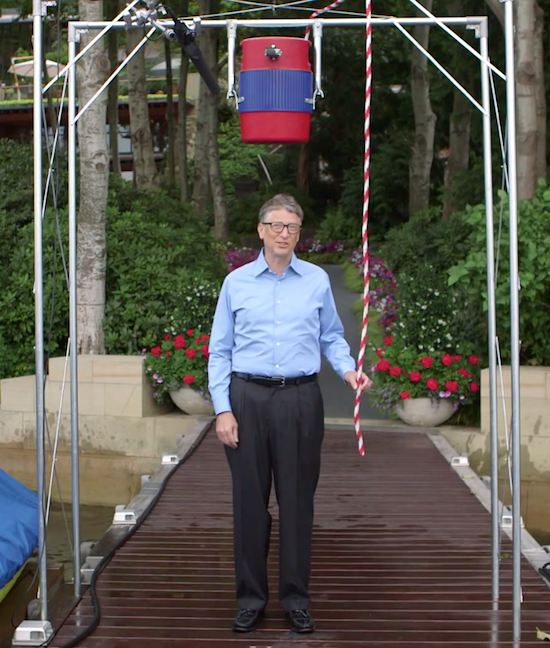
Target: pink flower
190,353
432,384
380,353
447,360
427,361
473,359
395,371
189,379
388,340
155,351
464,372
404,395
190,332
415,376
474,387
204,349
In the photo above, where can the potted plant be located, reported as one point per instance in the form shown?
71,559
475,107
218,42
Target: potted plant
423,387
177,369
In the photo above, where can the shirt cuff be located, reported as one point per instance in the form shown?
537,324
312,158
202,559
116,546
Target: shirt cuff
221,404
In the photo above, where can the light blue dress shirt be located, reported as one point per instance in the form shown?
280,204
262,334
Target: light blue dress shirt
274,325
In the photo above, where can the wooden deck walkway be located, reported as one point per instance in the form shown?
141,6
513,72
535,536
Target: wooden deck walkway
401,557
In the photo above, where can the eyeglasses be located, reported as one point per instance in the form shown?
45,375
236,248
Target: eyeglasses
278,227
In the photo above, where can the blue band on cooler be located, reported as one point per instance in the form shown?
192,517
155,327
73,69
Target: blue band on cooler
275,90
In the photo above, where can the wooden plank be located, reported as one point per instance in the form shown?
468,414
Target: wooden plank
400,557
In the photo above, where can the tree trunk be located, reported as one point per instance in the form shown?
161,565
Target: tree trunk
170,153
528,73
424,123
540,93
112,104
182,139
207,184
94,178
201,183
302,173
182,129
530,92
459,126
497,8
145,170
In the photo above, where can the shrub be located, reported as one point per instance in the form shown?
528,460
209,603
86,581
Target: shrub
152,268
431,316
534,270
157,257
426,238
340,226
17,327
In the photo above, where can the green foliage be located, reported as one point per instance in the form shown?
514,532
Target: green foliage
433,316
404,372
534,271
390,179
16,180
158,256
17,299
245,180
178,360
426,238
337,226
152,265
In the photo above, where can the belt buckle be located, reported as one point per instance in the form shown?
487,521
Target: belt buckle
281,379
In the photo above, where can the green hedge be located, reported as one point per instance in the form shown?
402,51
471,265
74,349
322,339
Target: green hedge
163,272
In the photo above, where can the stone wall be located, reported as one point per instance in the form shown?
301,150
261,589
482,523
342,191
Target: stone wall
123,432
535,442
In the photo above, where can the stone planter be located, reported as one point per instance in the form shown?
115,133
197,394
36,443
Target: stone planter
191,401
426,412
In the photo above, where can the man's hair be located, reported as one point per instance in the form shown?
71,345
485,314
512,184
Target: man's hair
281,201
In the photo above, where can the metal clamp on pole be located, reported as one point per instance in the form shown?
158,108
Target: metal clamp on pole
317,41
231,38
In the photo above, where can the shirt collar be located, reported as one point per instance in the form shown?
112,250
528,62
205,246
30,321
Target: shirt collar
260,265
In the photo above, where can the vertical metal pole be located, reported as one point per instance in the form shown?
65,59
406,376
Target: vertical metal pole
514,316
75,472
39,305
231,36
491,314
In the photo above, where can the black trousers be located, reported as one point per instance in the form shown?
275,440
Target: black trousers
280,435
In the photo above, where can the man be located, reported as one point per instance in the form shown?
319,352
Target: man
274,318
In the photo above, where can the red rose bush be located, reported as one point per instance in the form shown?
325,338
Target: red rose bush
403,372
180,359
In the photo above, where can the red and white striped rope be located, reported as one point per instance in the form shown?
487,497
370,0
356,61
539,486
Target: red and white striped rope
317,12
364,229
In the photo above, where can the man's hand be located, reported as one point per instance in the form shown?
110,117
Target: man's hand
352,380
227,429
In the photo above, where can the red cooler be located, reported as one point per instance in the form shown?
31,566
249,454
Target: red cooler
275,90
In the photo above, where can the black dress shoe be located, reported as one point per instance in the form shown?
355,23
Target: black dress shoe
247,619
300,621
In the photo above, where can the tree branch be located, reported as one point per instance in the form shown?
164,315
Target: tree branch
498,9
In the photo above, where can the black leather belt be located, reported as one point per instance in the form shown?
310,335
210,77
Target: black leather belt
274,381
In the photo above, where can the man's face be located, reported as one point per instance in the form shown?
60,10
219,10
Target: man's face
280,244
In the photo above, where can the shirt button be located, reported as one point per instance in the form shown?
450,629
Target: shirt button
278,301
278,344
277,366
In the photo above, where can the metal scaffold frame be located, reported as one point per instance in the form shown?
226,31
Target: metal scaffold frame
480,24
